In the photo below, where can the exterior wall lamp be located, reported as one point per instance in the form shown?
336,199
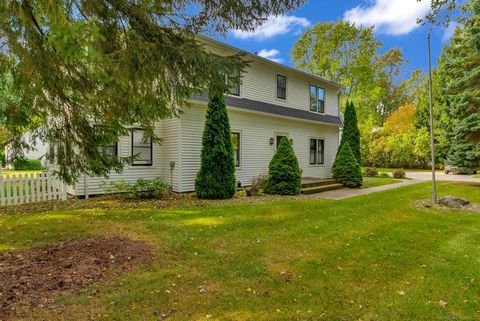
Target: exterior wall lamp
272,141
291,141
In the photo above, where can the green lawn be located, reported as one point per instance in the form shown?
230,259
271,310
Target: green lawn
11,172
379,181
373,257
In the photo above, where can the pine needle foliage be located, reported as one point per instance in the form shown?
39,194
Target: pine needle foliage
83,72
459,66
284,175
346,169
216,177
351,132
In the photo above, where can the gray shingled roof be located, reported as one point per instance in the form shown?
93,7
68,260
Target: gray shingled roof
273,109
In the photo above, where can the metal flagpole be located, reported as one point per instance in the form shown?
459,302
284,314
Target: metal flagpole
432,139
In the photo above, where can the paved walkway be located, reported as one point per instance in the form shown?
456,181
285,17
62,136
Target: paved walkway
427,176
416,177
341,194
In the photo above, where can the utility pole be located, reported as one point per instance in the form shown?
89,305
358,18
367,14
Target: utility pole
432,138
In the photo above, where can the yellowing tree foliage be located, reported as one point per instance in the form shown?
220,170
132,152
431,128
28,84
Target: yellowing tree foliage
401,121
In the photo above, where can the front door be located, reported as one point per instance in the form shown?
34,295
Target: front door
279,138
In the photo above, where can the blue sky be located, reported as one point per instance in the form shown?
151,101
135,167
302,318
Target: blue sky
394,21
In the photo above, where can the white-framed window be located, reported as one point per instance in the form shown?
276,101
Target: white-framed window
317,151
317,99
281,87
236,144
112,149
234,84
142,147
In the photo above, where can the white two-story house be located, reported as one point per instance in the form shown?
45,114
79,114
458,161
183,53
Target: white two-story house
271,101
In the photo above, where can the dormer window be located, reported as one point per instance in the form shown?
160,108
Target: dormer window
281,87
317,99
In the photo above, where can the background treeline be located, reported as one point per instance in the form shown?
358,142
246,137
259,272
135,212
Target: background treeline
393,110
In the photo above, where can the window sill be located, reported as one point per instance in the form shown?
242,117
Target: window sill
317,165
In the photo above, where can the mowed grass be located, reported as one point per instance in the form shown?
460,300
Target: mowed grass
379,181
373,257
11,172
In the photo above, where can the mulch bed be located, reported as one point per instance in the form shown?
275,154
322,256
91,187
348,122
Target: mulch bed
426,204
37,276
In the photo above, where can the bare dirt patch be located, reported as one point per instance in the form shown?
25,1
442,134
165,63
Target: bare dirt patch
35,277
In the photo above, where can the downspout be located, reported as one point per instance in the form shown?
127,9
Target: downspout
85,182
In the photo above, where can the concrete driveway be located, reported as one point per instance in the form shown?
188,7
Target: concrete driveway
441,176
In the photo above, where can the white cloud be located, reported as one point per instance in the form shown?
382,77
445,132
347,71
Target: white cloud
449,32
274,26
392,17
271,54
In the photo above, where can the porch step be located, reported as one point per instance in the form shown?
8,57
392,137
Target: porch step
317,182
321,188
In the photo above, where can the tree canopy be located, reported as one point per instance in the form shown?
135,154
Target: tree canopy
82,72
350,55
459,67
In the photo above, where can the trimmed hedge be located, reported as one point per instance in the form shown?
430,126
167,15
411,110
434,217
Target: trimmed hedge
370,172
399,173
27,164
284,176
351,132
216,177
346,169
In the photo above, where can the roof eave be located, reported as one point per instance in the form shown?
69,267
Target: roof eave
273,63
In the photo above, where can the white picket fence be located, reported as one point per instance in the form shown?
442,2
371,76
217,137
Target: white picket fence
31,188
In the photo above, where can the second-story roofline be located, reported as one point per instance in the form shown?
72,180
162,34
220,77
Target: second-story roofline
271,62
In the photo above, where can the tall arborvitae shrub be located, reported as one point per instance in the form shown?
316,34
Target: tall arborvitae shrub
351,133
216,177
284,176
346,169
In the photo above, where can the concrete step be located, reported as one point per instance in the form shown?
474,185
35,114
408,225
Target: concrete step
320,182
322,188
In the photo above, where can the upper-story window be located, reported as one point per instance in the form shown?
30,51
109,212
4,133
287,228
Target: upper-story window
317,99
281,87
234,84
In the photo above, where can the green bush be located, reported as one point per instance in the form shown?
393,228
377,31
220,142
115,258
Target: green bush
399,173
216,177
346,169
27,164
142,188
351,132
284,176
370,172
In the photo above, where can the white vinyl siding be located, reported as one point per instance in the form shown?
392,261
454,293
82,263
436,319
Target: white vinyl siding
259,82
256,150
177,159
163,154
